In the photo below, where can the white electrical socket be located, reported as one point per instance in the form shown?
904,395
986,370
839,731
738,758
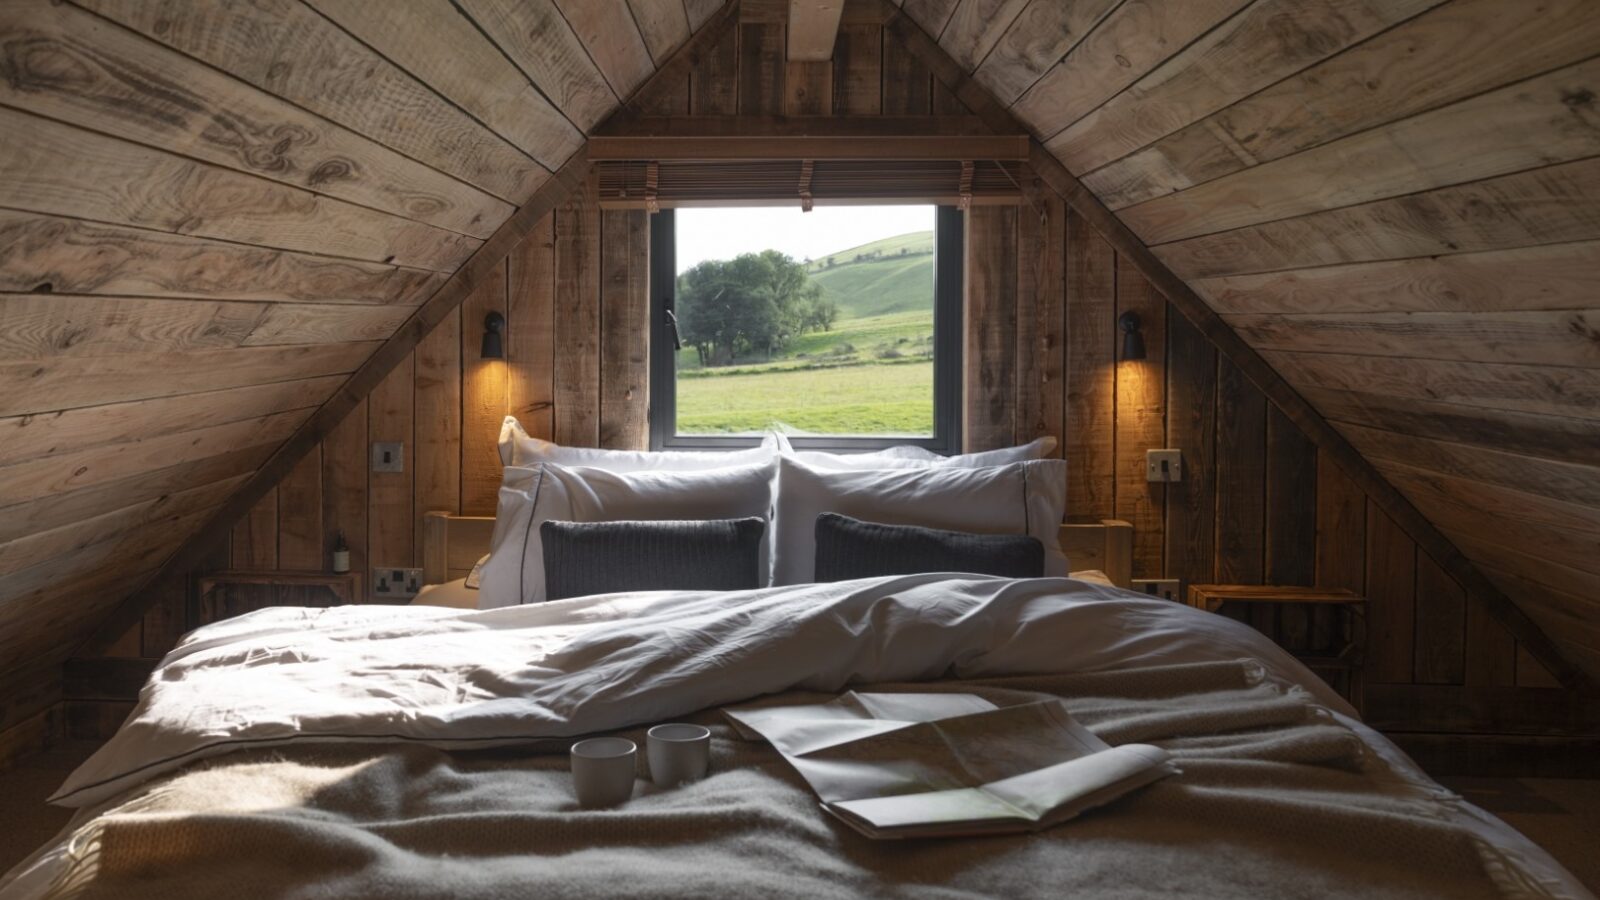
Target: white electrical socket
1153,470
389,583
1165,588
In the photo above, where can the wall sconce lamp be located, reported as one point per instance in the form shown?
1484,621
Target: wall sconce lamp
493,348
1132,340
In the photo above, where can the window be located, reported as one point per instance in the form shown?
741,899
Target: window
840,326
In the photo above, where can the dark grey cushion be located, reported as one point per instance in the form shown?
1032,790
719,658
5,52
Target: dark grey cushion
582,558
850,548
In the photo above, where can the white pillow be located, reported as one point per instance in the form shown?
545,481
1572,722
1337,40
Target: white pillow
910,456
1020,498
532,495
519,448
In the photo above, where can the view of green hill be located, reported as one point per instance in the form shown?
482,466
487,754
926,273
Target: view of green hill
872,373
887,276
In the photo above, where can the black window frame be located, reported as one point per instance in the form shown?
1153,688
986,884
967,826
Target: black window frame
948,294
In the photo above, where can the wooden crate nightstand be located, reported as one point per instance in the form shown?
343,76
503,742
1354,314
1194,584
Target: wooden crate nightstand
223,595
1337,658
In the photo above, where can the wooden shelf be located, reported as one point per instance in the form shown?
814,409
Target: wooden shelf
1347,661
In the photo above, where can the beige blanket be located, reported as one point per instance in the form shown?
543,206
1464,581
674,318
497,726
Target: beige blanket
1275,799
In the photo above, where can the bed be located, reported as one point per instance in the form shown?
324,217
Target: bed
401,752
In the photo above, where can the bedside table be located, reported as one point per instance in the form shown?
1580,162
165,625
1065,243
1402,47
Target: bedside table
223,595
1341,659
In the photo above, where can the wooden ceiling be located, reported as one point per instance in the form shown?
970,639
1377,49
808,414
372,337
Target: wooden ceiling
1396,202
213,212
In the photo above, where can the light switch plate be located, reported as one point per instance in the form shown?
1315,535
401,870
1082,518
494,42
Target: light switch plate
1165,588
388,456
1152,465
395,583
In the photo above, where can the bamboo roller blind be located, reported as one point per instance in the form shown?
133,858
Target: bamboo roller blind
633,184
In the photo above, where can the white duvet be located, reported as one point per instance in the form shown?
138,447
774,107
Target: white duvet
457,678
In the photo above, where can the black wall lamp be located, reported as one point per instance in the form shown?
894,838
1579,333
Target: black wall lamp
1132,339
493,348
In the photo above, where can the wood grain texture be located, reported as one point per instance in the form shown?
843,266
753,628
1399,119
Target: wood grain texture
254,541
1446,54
391,416
813,27
1191,427
71,471
123,84
92,428
1557,338
44,254
1041,317
300,533
1143,392
47,386
1241,477
531,351
1266,41
976,27
1291,501
1391,599
988,408
858,79
1520,126
1556,480
445,50
535,36
483,399
288,50
1549,277
714,81
664,24
609,33
808,88
437,426
1520,388
761,69
577,320
1439,655
346,459
1092,383
624,329
1548,205
128,184
1040,35
1135,38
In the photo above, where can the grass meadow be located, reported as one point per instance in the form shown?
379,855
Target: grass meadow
871,374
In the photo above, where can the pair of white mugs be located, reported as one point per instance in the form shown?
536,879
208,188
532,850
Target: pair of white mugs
603,768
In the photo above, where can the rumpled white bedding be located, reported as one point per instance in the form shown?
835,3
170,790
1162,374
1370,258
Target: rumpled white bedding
453,679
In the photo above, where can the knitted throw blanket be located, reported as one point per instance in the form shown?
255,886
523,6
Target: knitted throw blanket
1276,798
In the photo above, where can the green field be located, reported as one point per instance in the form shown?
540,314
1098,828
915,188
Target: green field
871,374
860,399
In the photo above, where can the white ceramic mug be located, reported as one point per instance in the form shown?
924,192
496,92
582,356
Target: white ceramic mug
678,753
602,770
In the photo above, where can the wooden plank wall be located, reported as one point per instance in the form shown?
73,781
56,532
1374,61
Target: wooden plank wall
1044,293
213,222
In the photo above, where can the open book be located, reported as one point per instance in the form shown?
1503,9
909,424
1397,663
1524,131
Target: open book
942,765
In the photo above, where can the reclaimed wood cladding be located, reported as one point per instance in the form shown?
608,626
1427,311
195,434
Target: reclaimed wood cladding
210,216
1256,504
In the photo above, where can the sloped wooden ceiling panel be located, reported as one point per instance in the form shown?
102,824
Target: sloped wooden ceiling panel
213,212
1396,202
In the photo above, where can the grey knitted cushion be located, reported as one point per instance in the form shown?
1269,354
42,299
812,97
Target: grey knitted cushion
582,558
850,548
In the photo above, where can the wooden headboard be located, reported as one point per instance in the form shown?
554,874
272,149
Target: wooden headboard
452,545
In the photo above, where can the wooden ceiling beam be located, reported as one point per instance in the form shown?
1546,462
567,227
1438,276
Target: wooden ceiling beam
814,147
901,27
813,28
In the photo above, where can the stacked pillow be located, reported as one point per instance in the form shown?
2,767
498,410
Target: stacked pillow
665,506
